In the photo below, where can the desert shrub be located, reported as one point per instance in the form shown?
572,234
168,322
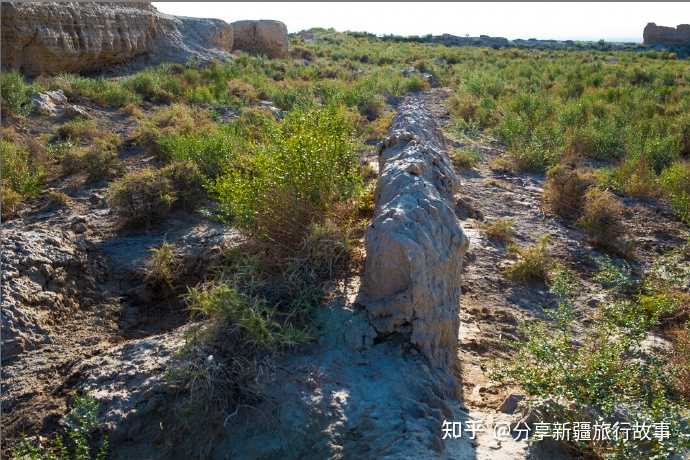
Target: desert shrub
366,201
680,361
465,158
57,199
378,128
142,197
415,83
601,218
72,160
251,316
99,161
158,133
675,184
79,129
58,150
80,441
464,106
294,179
244,91
15,93
550,365
565,188
9,202
636,312
372,106
187,181
217,150
600,141
531,158
150,85
499,230
633,176
163,267
20,172
533,262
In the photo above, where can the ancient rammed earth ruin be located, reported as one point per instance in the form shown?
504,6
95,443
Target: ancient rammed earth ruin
55,37
662,35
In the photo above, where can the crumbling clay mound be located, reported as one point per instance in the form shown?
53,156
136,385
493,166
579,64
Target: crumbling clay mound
51,37
261,37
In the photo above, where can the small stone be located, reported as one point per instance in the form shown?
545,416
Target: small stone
49,103
510,404
79,228
76,111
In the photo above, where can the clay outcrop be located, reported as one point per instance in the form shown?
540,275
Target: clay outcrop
42,272
662,35
415,245
53,37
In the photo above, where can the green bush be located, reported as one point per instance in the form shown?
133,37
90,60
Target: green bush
225,303
217,150
163,267
675,184
295,178
79,129
187,181
500,230
465,158
20,172
16,93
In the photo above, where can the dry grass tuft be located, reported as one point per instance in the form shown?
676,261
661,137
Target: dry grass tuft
500,230
565,188
534,262
601,219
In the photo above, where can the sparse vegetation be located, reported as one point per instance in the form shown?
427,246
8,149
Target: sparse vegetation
79,129
57,199
675,184
81,440
281,151
163,267
464,158
565,189
621,378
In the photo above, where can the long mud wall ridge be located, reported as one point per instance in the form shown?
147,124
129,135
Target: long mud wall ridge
415,245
